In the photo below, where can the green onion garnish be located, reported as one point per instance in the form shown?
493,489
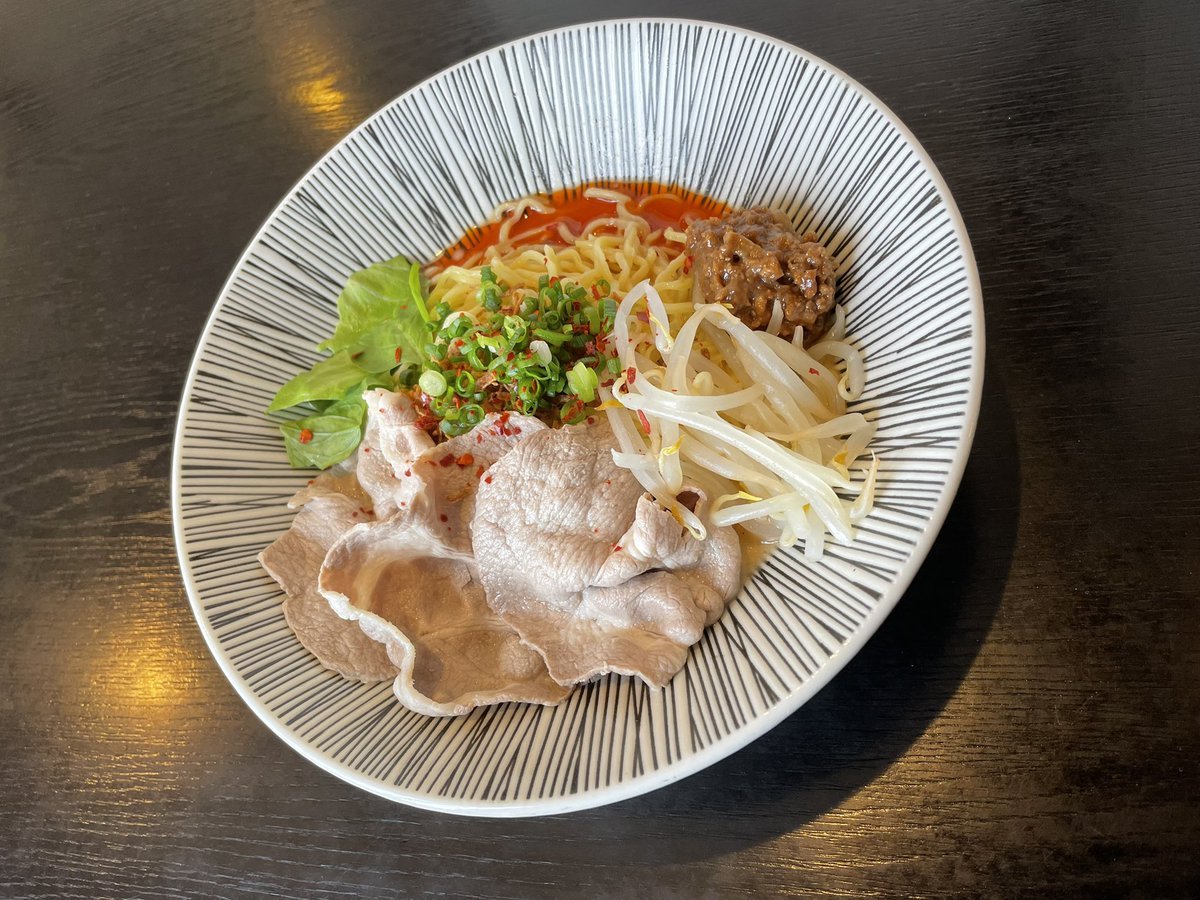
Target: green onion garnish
538,354
433,383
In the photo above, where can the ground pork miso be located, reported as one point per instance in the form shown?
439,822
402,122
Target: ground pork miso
753,259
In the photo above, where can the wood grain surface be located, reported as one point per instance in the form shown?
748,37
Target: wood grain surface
1026,723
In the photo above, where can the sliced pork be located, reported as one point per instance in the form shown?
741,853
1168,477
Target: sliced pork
441,481
422,600
547,534
294,560
401,599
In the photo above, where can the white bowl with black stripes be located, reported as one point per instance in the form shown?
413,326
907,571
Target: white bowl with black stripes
735,115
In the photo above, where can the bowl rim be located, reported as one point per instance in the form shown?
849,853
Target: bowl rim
759,725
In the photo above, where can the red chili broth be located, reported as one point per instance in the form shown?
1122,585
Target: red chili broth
572,208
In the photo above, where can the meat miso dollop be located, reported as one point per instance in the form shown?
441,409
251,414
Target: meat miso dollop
753,259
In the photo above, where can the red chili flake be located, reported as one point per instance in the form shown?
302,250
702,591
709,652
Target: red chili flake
595,292
366,449
408,473
645,422
479,438
510,357
397,354
591,420
465,460
616,548
631,375
608,481
553,279
444,517
643,316
311,480
479,472
516,429
354,515
488,480
404,503
812,371
575,307
305,435
446,461
687,264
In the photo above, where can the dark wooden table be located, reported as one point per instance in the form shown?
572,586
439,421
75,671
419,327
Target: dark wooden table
1027,722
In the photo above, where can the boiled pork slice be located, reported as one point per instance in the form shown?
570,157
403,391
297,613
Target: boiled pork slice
360,487
390,440
590,571
443,479
398,474
294,560
422,600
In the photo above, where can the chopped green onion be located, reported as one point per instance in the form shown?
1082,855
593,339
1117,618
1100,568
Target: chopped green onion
515,328
433,383
492,342
476,359
553,337
439,406
539,359
583,382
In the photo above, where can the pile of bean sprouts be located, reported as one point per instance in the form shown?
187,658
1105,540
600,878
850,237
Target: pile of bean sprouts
757,422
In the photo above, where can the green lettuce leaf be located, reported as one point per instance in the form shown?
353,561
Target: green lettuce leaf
329,437
376,350
380,311
329,379
382,320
